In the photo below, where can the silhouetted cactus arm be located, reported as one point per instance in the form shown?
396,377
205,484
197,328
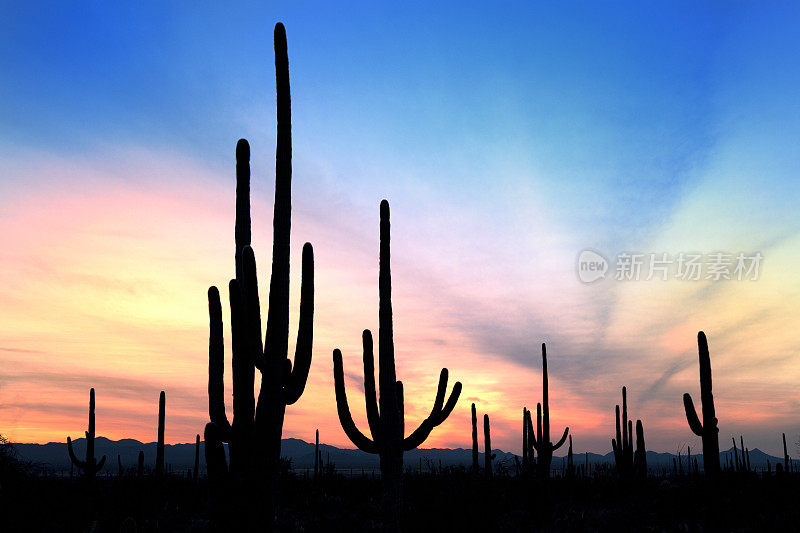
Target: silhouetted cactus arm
251,305
373,416
296,382
242,231
401,407
345,418
160,443
562,439
216,363
532,444
438,414
691,415
474,439
538,442
77,462
100,464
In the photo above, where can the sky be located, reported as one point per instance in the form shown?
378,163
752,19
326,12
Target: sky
508,137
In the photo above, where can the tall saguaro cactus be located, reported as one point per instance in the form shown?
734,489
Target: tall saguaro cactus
540,439
254,436
90,466
160,443
475,466
386,418
708,429
640,456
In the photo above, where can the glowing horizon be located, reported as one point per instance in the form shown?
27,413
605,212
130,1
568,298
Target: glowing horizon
505,144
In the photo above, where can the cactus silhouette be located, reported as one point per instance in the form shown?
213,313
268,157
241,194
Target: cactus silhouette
525,458
627,460
708,429
316,456
90,466
570,464
140,465
475,466
640,456
386,419
196,471
540,439
623,443
786,459
160,444
254,436
488,456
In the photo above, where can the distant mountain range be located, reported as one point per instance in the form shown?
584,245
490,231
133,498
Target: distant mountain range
180,457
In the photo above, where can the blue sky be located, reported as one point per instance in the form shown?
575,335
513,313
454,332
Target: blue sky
507,136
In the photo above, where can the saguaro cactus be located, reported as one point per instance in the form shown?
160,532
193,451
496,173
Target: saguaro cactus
160,444
196,471
570,464
786,459
488,456
254,437
640,456
524,438
386,419
540,439
708,430
140,465
623,443
90,466
475,466
316,456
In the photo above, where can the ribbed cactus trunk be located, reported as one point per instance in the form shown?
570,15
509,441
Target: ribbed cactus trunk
90,466
487,447
475,466
540,438
708,429
160,443
386,418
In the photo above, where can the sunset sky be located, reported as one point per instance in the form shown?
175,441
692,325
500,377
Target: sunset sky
507,137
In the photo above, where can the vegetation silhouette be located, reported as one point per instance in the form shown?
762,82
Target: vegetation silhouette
90,466
708,429
387,419
539,439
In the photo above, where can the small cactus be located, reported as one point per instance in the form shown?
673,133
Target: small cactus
623,443
475,466
316,456
196,471
160,444
488,456
140,465
570,464
90,466
640,456
708,429
540,439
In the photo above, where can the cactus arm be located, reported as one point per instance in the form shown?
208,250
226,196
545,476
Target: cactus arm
100,464
242,365
691,415
561,440
545,399
539,436
252,310
216,362
345,418
305,332
77,462
373,415
242,231
625,441
438,413
386,364
531,434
